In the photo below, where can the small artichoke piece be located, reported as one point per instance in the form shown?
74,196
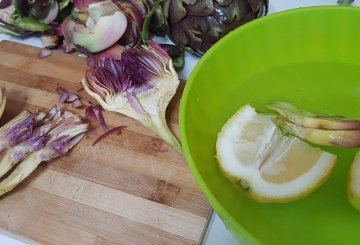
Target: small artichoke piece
310,120
56,138
326,137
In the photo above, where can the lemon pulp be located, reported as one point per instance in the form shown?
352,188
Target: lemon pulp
271,166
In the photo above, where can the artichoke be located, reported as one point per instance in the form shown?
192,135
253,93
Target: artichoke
19,17
345,2
196,25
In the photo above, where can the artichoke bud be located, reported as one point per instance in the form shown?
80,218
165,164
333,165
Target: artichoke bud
196,25
101,27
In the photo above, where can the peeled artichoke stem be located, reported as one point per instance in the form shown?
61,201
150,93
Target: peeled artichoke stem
5,162
335,138
158,125
2,100
23,170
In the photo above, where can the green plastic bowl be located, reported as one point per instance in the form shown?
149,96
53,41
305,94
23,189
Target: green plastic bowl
309,57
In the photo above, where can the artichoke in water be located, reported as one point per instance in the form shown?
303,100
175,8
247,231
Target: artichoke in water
196,25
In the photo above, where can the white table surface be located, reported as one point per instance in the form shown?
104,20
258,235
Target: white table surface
216,233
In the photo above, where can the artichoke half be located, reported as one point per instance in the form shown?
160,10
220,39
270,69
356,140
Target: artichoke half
196,25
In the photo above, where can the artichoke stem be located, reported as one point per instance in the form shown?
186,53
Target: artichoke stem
5,162
25,168
158,125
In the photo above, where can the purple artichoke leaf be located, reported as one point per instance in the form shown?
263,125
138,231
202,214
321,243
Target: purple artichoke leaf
5,3
132,35
33,144
54,112
75,140
77,103
59,145
135,104
22,130
159,50
145,64
47,126
98,117
66,96
117,130
143,88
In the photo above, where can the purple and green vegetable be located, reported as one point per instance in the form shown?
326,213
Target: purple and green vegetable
92,26
34,137
139,85
318,129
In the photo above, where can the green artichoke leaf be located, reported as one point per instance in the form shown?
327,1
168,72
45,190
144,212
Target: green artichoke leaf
176,54
22,7
8,30
223,3
158,24
177,9
345,2
63,4
30,24
146,25
195,25
201,8
40,9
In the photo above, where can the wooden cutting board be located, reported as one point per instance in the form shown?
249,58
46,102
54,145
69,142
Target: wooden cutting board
127,189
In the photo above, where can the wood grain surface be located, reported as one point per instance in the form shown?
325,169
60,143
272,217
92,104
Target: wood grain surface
127,189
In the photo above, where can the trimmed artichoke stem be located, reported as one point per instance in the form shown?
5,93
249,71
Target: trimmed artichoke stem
158,125
24,169
6,163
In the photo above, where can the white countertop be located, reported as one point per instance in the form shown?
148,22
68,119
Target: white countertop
216,232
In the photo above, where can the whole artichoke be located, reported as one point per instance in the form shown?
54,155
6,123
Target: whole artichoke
196,25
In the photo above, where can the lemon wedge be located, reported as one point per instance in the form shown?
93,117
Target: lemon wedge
270,166
354,182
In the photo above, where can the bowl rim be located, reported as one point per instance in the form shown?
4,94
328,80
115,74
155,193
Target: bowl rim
237,229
